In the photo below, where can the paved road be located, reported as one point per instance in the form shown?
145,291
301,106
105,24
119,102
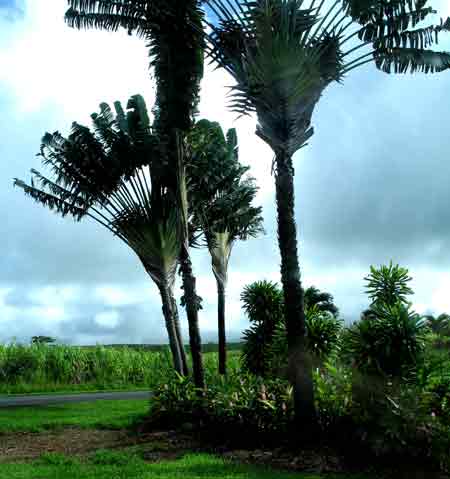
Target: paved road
47,399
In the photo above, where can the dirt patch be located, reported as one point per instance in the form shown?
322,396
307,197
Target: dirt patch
73,441
18,446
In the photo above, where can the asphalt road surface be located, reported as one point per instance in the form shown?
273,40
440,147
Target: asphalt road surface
47,399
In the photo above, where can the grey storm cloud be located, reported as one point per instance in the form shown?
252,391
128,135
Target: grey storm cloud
373,184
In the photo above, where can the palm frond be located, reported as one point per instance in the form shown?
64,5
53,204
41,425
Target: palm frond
280,65
282,54
52,201
106,174
401,60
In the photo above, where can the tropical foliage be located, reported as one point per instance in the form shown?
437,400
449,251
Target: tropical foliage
282,55
322,300
265,349
263,304
388,285
173,32
387,344
221,198
439,325
111,175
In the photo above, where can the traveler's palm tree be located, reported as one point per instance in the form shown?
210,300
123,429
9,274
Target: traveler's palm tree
111,174
173,31
282,55
221,201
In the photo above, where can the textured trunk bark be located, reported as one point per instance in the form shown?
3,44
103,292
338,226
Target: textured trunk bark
180,338
221,328
299,366
192,306
169,317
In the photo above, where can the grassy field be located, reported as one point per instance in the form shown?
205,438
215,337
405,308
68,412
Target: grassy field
117,465
41,368
127,462
98,414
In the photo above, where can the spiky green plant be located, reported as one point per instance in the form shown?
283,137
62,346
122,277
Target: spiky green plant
387,345
323,332
388,284
263,304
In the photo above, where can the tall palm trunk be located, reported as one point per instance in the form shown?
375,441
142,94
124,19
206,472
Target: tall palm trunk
180,337
299,366
190,293
221,327
220,250
192,307
169,317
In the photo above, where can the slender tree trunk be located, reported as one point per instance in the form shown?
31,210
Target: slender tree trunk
192,307
221,327
299,366
169,317
180,338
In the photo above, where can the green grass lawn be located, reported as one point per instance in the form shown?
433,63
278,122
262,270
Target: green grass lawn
117,465
114,414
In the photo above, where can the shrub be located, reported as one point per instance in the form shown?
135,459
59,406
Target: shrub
333,394
265,347
263,304
394,422
249,404
388,419
323,331
389,343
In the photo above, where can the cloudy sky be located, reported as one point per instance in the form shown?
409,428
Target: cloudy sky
372,185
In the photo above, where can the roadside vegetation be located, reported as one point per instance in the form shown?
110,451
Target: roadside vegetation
376,393
40,368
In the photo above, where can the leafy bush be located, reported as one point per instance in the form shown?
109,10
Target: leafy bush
390,343
323,331
394,422
265,347
263,304
248,404
333,394
376,417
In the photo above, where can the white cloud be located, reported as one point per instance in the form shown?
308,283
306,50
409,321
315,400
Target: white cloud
440,298
50,63
124,295
107,319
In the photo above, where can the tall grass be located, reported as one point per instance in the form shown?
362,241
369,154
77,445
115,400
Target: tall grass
38,368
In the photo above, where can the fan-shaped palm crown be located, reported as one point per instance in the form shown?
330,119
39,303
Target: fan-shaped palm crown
112,175
283,54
